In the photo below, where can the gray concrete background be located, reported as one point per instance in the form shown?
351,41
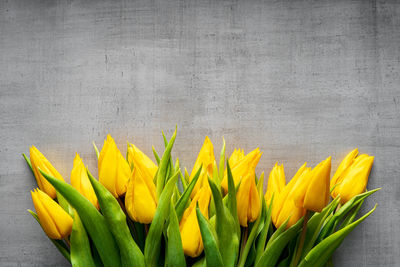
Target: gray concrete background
302,80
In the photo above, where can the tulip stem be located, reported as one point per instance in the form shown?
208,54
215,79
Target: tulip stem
302,239
338,207
67,241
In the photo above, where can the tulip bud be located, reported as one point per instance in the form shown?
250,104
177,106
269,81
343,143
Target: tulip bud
242,167
283,204
189,227
206,160
313,194
140,198
80,181
39,161
56,223
248,200
139,160
114,170
276,182
351,177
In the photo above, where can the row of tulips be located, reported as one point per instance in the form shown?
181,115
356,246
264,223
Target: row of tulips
139,213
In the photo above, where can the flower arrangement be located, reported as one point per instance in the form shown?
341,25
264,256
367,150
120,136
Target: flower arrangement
139,213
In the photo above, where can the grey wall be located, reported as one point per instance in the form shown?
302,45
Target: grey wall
302,80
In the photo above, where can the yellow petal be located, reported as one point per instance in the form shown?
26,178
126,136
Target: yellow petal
282,198
190,232
141,161
246,165
317,194
80,181
276,182
38,160
55,221
205,159
355,178
346,162
114,170
140,201
248,200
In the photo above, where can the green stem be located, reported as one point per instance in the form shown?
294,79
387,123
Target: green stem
302,239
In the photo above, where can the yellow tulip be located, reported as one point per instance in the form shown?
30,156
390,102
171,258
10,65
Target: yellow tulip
206,160
313,194
140,198
284,206
139,160
248,200
39,161
56,223
242,167
189,227
276,182
80,181
114,170
236,157
351,177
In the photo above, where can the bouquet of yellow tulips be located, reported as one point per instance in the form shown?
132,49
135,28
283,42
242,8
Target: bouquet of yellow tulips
141,213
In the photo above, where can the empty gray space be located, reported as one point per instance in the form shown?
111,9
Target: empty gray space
302,80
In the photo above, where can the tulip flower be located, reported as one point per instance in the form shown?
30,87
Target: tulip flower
190,231
39,161
248,200
55,221
140,198
313,194
206,160
276,182
80,181
244,166
114,170
283,204
138,159
351,177
236,157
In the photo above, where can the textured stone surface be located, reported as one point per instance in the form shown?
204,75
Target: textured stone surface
301,79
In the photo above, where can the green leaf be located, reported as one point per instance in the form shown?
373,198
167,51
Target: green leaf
180,206
322,252
162,169
81,255
213,256
351,215
231,198
59,244
93,221
175,255
260,247
331,224
226,229
96,150
275,247
116,220
156,155
315,224
153,240
28,161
